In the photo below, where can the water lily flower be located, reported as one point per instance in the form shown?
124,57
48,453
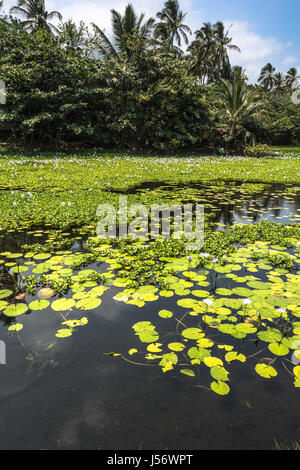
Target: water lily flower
208,302
281,310
246,301
215,260
204,254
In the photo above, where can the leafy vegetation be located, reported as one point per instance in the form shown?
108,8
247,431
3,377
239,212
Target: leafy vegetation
72,84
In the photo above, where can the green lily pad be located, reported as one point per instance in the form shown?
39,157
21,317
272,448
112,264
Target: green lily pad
39,304
14,310
221,388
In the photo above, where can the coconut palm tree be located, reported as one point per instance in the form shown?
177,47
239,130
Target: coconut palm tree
222,46
203,51
35,15
171,29
210,52
266,78
291,78
130,35
279,83
239,104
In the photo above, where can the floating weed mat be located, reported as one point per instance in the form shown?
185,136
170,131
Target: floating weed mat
241,291
230,202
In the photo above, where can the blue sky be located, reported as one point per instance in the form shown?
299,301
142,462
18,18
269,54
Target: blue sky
265,30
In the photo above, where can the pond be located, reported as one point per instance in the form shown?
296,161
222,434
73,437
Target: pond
140,346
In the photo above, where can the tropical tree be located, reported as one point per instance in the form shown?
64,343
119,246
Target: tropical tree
279,83
209,52
202,52
266,79
291,78
171,30
72,36
239,104
130,35
35,15
223,44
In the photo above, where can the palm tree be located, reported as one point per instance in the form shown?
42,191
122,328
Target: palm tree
291,78
239,104
210,49
35,15
279,83
203,52
72,36
266,78
223,44
130,35
170,29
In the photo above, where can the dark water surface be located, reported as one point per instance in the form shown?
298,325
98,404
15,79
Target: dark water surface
71,396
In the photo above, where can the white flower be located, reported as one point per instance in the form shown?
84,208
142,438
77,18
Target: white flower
215,260
208,301
246,301
63,203
14,203
204,254
281,310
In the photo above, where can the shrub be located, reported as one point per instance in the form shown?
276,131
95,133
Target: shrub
261,150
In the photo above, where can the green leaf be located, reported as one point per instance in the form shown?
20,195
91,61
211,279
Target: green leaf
279,349
189,372
192,333
89,303
15,327
219,373
4,293
176,346
15,310
220,388
165,314
63,333
264,370
61,305
39,304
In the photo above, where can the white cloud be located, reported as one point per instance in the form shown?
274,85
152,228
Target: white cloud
290,60
99,12
256,50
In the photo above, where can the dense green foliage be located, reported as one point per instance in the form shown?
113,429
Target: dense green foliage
61,97
136,89
65,189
